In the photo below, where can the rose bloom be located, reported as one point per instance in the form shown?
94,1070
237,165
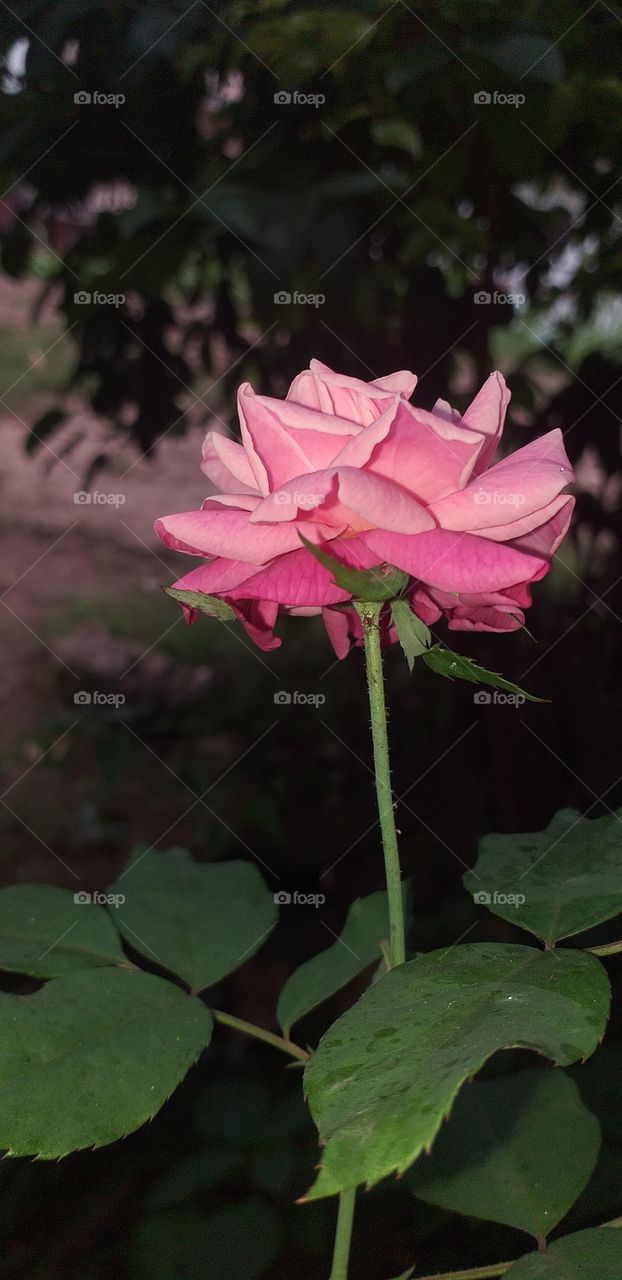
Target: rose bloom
373,480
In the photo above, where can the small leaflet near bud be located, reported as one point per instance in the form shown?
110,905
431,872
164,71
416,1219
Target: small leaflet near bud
212,605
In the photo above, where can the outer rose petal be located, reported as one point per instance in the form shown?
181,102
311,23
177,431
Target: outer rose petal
226,464
456,562
258,618
485,619
545,540
424,454
346,496
486,414
514,496
334,393
216,577
298,580
227,532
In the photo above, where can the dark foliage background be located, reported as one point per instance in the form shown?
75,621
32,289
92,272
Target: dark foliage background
198,199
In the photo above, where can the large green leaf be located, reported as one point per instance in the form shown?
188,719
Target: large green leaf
569,875
90,1057
200,920
517,1150
47,932
412,633
595,1254
387,1072
366,926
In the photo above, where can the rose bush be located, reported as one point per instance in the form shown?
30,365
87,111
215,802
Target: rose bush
373,480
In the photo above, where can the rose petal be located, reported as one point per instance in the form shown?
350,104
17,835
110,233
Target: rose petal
417,450
346,495
333,393
517,494
228,533
225,463
456,561
486,414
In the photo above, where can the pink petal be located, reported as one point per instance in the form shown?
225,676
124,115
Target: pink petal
346,495
258,618
417,450
456,562
485,619
545,540
519,493
289,438
226,533
226,464
337,626
486,414
298,580
216,577
320,388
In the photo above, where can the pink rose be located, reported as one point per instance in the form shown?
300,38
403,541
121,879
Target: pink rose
373,480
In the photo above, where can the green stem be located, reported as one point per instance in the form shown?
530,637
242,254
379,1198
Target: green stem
343,1235
249,1029
605,949
370,621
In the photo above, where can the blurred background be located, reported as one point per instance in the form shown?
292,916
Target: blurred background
193,195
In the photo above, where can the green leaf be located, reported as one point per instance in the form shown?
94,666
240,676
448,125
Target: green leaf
383,582
456,667
199,920
212,605
91,1057
412,633
570,875
517,1150
44,932
595,1254
358,945
236,1240
387,1072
